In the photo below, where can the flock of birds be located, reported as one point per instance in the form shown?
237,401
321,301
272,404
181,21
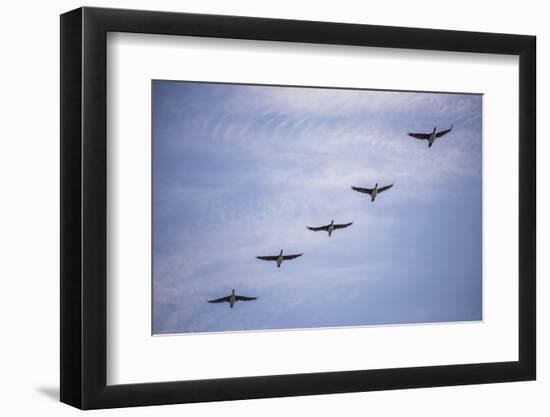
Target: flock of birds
330,228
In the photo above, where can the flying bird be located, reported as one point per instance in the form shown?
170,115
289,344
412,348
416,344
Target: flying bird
430,137
279,258
232,299
372,191
330,227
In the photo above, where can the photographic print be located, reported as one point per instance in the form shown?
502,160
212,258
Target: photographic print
298,207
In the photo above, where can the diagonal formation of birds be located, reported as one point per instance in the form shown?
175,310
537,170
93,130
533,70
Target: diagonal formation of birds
330,228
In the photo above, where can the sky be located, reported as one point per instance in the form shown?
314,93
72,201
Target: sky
240,171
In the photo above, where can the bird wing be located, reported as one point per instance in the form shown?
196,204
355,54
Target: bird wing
384,188
243,298
220,300
267,258
443,132
342,226
287,257
419,135
362,190
317,229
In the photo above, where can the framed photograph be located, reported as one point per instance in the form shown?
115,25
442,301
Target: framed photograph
259,208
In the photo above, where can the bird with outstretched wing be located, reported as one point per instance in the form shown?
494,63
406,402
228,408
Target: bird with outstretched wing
279,258
232,299
430,137
373,192
329,227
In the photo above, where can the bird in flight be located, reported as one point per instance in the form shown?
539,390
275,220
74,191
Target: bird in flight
279,258
232,299
430,137
372,191
330,227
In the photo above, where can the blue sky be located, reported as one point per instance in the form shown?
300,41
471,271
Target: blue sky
240,170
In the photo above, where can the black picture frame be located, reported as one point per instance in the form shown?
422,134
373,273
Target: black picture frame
84,207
